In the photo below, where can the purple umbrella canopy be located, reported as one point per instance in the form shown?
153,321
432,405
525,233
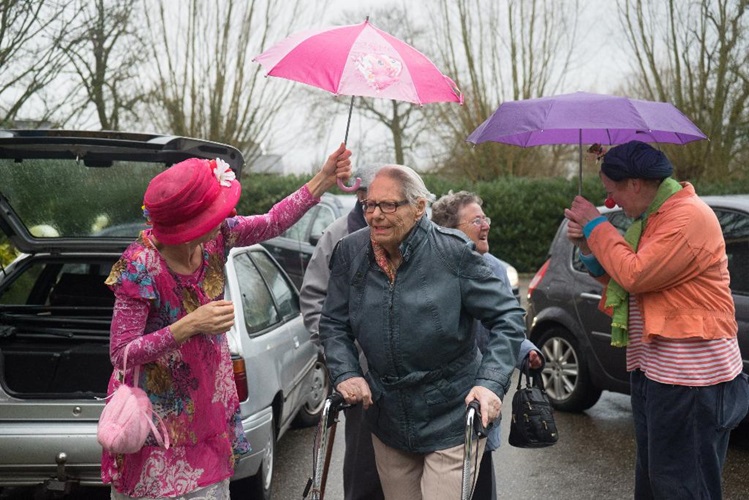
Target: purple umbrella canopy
586,118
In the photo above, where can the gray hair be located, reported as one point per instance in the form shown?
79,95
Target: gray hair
445,210
411,183
366,174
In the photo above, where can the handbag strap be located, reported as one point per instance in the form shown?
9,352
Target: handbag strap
532,377
162,436
538,380
136,373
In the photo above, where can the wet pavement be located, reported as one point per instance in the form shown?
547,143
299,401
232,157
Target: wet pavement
594,459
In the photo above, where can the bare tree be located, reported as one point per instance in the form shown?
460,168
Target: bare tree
29,56
696,55
515,49
105,53
205,83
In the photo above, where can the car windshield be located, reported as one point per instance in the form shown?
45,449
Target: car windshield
56,198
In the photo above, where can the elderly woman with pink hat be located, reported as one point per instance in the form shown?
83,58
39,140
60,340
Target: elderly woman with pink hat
170,319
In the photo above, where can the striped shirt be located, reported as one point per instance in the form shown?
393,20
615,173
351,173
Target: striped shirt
687,362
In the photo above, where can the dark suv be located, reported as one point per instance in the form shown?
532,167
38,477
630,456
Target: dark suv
575,337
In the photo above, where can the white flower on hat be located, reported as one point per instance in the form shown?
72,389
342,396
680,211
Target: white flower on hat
224,174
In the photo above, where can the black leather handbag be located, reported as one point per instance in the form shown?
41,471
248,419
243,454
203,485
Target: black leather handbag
532,424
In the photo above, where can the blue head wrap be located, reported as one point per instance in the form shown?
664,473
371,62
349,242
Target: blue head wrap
636,160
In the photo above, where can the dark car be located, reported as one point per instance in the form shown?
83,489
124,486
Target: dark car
70,201
293,249
575,336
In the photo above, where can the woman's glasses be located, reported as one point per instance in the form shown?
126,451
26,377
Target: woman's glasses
386,207
478,221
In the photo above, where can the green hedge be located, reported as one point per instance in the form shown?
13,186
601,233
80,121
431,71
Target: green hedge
525,212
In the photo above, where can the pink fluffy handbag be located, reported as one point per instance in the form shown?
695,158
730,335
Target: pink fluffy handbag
127,419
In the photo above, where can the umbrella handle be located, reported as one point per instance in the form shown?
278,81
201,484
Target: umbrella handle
349,189
357,183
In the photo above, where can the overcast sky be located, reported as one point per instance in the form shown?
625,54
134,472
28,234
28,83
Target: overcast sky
596,71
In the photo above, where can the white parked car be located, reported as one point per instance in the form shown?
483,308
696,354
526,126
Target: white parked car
70,201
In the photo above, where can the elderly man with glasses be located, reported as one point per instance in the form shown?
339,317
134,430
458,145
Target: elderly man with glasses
408,290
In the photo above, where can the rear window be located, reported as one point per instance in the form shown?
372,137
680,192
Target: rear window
285,297
57,198
257,303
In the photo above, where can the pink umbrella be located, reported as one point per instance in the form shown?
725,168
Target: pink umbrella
587,118
359,60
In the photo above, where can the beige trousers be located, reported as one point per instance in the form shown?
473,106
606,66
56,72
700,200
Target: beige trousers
423,476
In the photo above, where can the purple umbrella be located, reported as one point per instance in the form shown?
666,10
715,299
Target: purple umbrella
585,118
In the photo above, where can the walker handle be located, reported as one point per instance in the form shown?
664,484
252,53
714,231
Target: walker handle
478,426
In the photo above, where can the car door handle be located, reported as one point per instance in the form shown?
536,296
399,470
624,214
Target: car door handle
296,342
590,296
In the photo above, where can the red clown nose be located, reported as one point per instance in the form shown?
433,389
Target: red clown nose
609,203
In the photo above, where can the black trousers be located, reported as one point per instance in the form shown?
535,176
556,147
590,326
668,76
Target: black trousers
360,478
486,484
682,436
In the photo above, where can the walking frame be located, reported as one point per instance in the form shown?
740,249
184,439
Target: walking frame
324,439
474,430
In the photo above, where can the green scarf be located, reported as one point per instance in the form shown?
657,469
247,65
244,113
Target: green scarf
616,296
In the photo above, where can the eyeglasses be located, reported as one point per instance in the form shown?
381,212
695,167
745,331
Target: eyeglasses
386,207
478,221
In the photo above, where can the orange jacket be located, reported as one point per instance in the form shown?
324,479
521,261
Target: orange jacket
679,275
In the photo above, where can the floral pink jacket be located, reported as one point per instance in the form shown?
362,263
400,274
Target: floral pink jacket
191,386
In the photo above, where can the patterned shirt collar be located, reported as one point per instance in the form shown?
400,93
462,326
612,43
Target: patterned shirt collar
381,257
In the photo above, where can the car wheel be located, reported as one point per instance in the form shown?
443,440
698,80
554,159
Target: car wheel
259,485
309,413
565,375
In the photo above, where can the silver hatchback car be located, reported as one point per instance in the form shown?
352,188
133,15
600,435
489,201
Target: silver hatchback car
70,202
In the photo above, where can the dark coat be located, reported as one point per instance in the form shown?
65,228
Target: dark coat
417,334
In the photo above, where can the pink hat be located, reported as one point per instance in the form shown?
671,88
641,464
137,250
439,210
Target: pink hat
190,198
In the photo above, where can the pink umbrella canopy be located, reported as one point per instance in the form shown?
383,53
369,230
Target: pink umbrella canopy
359,60
585,118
